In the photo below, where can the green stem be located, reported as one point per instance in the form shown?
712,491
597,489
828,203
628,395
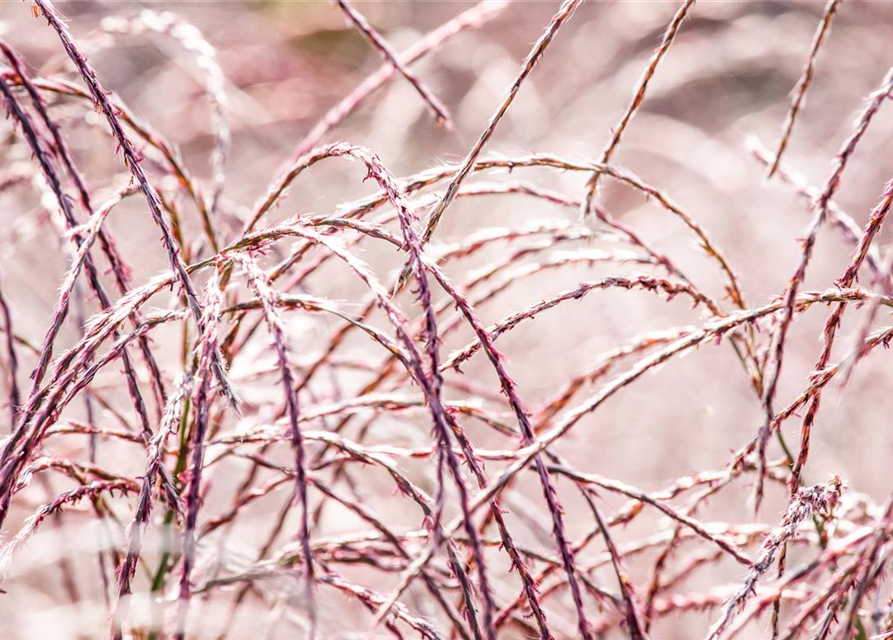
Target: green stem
160,577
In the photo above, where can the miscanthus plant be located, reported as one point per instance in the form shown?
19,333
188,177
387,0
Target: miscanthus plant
232,380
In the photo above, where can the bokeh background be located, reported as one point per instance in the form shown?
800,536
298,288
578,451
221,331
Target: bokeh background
727,79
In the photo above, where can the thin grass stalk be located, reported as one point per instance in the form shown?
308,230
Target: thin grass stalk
472,18
799,99
119,267
385,180
844,222
873,227
359,22
433,219
12,363
192,40
258,282
132,162
638,98
820,208
133,537
206,348
820,498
